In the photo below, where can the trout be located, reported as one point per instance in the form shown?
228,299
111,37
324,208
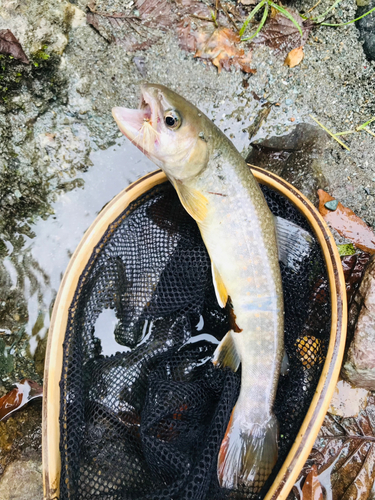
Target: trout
217,188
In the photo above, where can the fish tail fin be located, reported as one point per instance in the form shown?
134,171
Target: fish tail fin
248,453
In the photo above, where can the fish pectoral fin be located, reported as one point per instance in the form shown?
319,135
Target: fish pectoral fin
226,353
220,290
294,243
193,201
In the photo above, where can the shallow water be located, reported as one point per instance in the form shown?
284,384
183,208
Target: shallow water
46,255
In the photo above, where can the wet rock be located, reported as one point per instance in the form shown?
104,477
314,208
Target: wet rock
366,28
359,366
22,480
294,157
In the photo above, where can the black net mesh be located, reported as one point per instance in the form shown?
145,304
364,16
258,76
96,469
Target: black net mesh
147,421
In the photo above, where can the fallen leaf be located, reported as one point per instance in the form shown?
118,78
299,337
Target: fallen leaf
25,391
221,48
347,224
281,34
294,57
312,489
9,45
344,454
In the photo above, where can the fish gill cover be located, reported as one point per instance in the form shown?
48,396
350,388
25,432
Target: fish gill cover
147,422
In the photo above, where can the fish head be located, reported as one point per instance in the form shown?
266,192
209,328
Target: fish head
168,129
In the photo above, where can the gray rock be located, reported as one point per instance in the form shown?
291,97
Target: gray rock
366,28
22,480
295,157
359,365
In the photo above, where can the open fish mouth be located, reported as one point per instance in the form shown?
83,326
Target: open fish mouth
139,125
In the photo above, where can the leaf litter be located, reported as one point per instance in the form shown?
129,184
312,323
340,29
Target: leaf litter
347,223
344,455
212,33
281,34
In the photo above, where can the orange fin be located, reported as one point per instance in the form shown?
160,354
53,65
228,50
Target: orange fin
220,290
248,452
193,201
226,353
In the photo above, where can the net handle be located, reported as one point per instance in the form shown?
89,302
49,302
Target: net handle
54,354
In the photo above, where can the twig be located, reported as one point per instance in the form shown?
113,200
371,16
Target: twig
227,14
312,8
201,18
330,133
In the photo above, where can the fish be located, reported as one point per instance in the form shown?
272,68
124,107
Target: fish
218,190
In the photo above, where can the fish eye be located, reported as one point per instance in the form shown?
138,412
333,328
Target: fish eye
172,119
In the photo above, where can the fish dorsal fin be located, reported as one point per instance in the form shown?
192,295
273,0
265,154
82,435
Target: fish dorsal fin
294,243
193,201
220,290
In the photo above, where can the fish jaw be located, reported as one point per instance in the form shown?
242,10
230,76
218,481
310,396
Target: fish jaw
140,125
130,121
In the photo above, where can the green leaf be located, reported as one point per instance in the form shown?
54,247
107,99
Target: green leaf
250,16
350,22
261,24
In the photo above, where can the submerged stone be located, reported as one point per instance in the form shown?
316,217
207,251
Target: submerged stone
295,157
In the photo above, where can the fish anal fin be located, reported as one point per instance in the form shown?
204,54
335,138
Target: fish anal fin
226,353
193,201
220,290
248,452
293,242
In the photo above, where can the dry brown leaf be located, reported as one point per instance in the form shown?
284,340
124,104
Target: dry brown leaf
281,34
294,57
312,489
25,391
221,48
347,224
9,45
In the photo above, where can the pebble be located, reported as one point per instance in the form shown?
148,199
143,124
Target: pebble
331,205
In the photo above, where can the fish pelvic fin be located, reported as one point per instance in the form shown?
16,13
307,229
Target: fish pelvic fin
220,290
226,353
193,201
248,453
